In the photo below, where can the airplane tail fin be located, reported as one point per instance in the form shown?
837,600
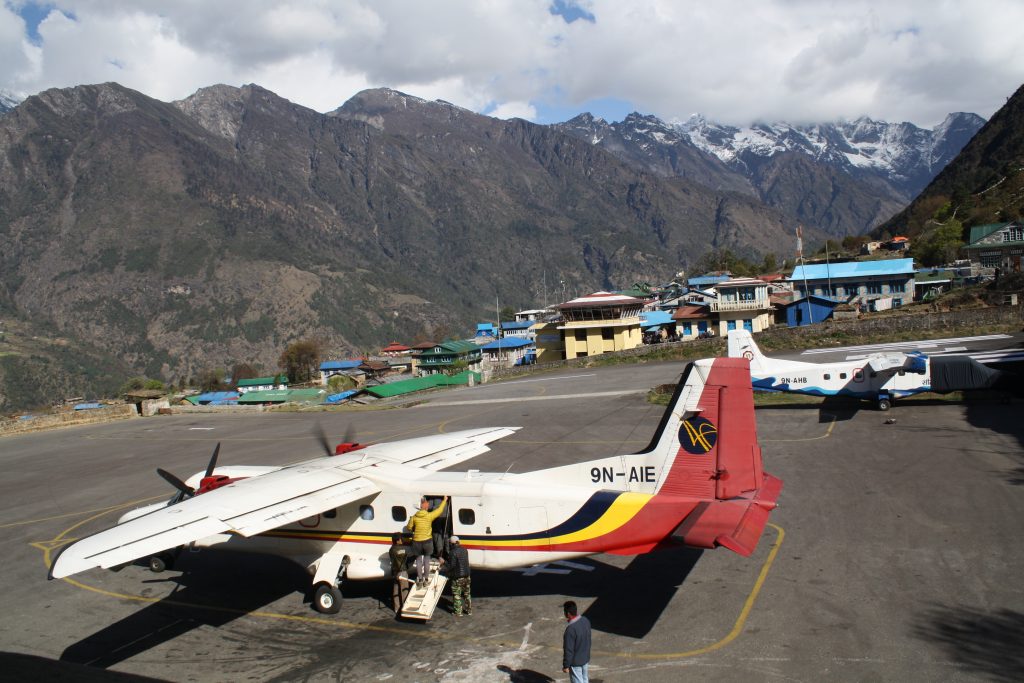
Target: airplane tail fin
742,345
708,440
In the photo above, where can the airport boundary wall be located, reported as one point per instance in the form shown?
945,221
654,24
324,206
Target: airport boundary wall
68,419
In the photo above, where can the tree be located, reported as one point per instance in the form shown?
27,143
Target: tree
769,264
242,371
132,384
153,384
506,314
339,383
211,379
300,360
942,245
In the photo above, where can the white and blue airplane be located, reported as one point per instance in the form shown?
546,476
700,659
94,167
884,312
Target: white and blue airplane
878,377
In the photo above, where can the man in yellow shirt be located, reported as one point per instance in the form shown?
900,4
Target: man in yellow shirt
421,526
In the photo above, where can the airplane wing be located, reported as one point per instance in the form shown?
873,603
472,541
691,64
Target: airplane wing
260,503
437,451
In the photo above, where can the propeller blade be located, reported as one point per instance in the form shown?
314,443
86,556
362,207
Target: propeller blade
350,434
213,461
322,437
185,489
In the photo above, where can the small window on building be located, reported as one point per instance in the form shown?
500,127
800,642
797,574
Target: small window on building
828,376
842,375
467,516
331,514
581,335
399,514
607,333
366,512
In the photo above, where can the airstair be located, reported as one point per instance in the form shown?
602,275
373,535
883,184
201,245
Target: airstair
421,601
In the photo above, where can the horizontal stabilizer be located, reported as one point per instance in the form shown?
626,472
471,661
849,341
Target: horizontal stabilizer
744,539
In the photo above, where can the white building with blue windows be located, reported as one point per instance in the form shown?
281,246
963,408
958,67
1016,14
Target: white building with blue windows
742,303
869,284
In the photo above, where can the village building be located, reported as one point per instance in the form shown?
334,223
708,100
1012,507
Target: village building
394,350
742,304
693,320
518,328
598,323
262,384
447,357
996,245
871,285
508,352
330,368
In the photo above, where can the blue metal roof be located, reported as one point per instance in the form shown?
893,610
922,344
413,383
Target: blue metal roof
517,324
337,398
507,343
701,280
656,318
340,364
88,406
854,269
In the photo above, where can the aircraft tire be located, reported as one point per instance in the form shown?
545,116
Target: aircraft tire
884,404
326,599
160,563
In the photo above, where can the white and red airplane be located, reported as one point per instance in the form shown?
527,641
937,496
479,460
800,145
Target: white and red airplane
700,483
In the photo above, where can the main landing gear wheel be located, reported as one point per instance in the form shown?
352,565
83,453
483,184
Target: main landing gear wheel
326,599
161,562
884,404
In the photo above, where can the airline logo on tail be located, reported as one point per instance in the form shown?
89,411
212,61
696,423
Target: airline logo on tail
698,435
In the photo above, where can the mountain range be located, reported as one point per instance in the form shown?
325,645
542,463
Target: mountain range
168,238
844,177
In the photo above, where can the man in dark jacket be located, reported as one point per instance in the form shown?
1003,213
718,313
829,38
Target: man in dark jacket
576,645
458,572
399,554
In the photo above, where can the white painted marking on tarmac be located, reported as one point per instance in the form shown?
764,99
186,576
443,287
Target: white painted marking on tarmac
200,429
559,397
913,344
549,568
548,379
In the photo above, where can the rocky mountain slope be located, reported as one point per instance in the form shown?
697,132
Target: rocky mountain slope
843,177
983,184
7,102
180,236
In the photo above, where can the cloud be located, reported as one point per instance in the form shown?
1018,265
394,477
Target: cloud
732,60
513,110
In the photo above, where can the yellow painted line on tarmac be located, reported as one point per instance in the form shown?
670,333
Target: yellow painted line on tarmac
828,433
83,512
737,628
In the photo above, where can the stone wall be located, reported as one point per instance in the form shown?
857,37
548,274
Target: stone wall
68,419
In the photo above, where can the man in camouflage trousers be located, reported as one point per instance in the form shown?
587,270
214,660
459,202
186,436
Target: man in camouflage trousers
458,572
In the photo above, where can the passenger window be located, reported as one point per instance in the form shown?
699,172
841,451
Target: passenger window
467,516
828,376
902,372
331,514
858,375
366,512
842,375
398,513
874,374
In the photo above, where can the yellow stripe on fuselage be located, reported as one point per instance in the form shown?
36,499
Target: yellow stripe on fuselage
619,513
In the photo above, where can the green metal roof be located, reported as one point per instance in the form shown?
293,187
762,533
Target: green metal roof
980,232
284,395
409,386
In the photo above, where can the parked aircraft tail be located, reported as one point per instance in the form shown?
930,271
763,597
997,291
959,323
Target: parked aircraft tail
709,441
742,345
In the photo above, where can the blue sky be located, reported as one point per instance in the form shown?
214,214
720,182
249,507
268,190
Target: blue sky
734,61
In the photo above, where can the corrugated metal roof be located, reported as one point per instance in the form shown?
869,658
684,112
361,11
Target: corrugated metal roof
338,398
655,318
409,386
507,343
982,231
852,269
283,395
517,324
601,299
340,364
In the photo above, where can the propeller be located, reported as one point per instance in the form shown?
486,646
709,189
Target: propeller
321,436
184,490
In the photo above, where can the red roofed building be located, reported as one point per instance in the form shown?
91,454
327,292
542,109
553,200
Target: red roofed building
395,349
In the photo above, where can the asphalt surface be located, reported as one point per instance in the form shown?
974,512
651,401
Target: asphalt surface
896,554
